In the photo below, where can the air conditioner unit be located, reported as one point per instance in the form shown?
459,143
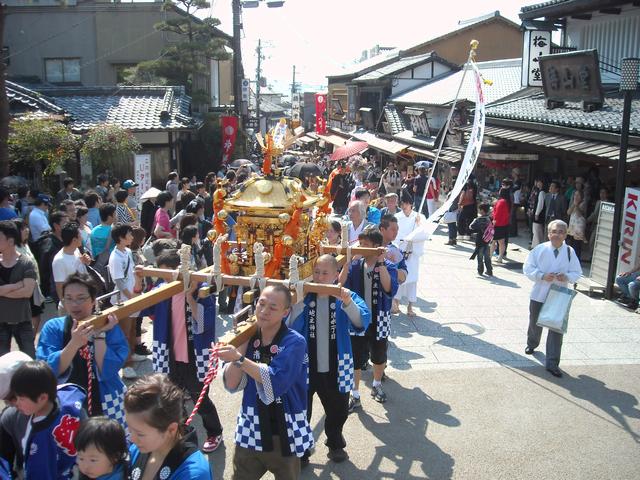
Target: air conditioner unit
250,3
275,3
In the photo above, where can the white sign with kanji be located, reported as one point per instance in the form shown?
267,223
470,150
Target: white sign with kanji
536,44
142,173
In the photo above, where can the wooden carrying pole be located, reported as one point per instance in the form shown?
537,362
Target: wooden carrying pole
168,290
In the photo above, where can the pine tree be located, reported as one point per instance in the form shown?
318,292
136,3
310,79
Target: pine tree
185,59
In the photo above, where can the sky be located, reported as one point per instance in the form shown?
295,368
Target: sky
320,36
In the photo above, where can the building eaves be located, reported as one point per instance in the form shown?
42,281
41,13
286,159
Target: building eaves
31,99
442,90
562,8
403,64
533,109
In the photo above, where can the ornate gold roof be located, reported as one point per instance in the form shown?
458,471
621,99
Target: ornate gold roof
270,194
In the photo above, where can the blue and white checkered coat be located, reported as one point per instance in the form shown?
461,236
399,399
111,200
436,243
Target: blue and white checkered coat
201,327
112,389
343,327
383,300
283,380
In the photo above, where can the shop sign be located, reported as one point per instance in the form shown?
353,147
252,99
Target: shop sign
142,173
321,110
572,77
536,44
245,89
629,231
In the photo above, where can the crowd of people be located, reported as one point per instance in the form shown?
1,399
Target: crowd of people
65,387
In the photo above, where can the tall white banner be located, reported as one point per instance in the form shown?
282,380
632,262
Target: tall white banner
470,155
142,173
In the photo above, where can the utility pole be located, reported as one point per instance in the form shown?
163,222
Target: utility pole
238,73
258,80
628,87
293,91
4,103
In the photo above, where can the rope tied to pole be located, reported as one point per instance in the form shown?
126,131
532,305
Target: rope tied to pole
212,373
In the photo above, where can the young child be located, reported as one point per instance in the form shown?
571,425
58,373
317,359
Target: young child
482,253
121,268
101,444
375,279
43,422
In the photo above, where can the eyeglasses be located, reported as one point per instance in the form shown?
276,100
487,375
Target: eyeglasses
75,301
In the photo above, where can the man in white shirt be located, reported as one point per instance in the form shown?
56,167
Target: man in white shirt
38,222
357,220
550,262
69,259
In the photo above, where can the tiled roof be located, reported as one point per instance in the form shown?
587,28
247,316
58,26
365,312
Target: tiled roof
31,100
152,108
533,109
383,58
400,65
537,6
505,75
394,119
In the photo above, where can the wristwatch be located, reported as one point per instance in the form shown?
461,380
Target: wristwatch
239,362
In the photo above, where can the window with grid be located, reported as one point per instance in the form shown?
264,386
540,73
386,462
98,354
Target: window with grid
62,70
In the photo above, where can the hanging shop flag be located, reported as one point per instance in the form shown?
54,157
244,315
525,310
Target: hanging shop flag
470,155
229,132
629,238
321,109
142,173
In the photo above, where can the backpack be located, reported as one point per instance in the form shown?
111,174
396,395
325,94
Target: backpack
487,236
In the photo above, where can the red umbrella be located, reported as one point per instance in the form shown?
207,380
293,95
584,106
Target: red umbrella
348,150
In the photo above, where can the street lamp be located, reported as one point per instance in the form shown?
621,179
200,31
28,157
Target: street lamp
628,86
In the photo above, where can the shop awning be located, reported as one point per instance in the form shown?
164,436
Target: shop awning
335,140
446,154
608,151
390,147
305,139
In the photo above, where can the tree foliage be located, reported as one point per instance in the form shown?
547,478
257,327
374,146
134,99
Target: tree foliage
41,144
194,41
106,142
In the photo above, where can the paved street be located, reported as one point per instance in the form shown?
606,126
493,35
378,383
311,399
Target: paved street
464,400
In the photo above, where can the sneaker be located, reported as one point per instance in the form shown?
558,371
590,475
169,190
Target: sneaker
141,349
378,394
212,443
135,357
338,455
129,373
354,402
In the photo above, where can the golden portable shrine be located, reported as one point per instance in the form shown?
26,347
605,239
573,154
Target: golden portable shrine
275,218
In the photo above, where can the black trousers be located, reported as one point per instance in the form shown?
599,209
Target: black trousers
185,376
335,404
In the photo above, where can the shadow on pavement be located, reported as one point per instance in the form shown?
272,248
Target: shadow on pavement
405,451
618,406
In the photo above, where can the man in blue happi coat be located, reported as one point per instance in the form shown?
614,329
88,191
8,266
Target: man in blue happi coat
272,431
326,322
375,279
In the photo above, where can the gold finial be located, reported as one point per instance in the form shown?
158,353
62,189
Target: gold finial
474,44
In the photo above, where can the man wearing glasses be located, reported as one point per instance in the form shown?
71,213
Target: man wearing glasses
78,353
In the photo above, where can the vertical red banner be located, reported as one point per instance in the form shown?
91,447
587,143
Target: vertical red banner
321,108
229,132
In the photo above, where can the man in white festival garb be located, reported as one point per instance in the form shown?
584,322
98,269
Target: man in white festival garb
410,240
357,220
552,262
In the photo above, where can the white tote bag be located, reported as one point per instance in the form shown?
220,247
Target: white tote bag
554,314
